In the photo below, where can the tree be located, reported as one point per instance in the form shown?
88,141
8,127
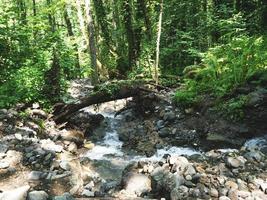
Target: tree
91,39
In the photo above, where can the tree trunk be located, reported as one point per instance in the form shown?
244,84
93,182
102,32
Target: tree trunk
130,33
62,114
91,39
156,69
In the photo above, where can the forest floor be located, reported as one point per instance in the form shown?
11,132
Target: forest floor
205,156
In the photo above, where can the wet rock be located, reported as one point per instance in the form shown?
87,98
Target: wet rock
16,194
254,156
164,132
160,124
65,196
37,195
169,116
136,183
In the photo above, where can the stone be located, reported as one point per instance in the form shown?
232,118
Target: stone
64,165
224,198
136,183
190,170
15,194
72,135
169,116
231,185
188,177
4,165
214,193
18,136
233,162
49,145
72,147
3,148
254,156
179,193
233,194
88,193
164,132
65,196
160,124
37,195
36,175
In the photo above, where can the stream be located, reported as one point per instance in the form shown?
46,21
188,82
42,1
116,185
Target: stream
109,159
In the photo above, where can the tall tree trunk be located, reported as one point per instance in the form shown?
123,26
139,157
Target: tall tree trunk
129,32
156,75
71,34
92,45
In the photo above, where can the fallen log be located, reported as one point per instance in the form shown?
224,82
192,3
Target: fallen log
111,92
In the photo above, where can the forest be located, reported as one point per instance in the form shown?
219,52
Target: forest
133,99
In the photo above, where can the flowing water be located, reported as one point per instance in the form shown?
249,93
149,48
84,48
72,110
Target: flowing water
109,159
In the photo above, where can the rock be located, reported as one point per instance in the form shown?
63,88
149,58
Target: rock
3,148
190,170
233,194
231,185
16,194
160,124
36,175
72,148
169,116
136,183
4,165
64,165
73,136
88,193
49,145
163,179
188,177
89,145
214,193
254,156
18,136
224,198
65,196
37,195
164,132
179,193
235,162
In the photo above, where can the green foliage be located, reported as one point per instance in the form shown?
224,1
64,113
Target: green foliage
233,108
223,69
